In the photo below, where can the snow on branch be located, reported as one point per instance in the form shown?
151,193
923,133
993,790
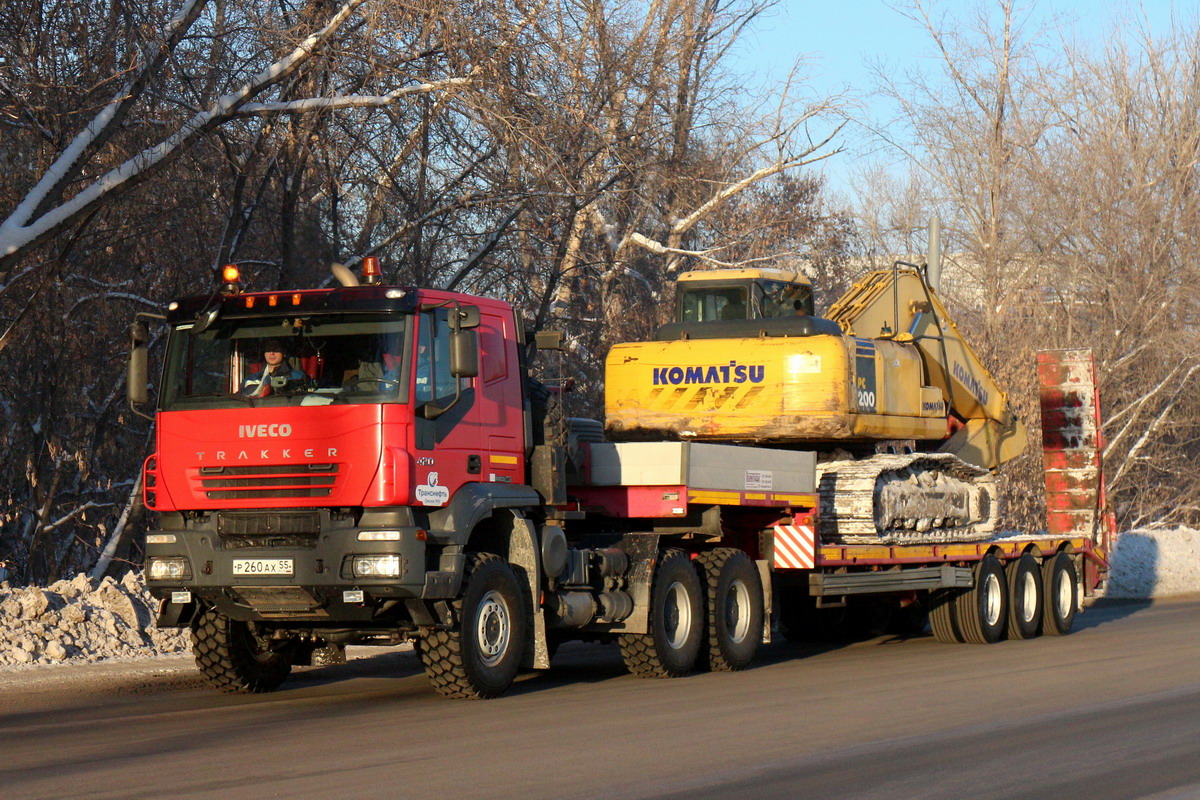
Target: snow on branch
63,520
33,222
348,101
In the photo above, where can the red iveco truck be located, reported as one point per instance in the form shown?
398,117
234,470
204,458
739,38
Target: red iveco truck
400,477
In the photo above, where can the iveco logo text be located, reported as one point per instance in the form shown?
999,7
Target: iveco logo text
264,431
732,372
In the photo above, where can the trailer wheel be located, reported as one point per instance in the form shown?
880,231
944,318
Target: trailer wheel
480,657
1025,597
1061,587
943,619
233,658
983,609
735,609
676,622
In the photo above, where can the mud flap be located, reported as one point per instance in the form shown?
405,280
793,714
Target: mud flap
642,549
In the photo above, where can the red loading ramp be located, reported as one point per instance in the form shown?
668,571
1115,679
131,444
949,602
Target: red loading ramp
1073,443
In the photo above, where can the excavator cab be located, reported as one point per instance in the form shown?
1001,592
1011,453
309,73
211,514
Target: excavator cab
705,296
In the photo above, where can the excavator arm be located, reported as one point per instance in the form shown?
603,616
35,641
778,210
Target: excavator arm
899,304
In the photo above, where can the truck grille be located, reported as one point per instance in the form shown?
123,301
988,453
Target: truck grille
268,481
268,529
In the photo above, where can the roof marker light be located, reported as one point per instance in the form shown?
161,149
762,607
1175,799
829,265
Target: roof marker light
370,271
229,278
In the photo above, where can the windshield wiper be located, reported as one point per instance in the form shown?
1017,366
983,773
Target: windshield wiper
247,400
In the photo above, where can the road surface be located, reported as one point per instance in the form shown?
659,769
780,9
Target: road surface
1111,711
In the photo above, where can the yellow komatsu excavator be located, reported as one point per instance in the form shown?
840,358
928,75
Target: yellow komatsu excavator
909,424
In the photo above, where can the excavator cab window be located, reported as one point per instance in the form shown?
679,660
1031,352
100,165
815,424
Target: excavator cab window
781,299
706,303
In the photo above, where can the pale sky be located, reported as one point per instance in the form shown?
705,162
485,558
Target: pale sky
838,37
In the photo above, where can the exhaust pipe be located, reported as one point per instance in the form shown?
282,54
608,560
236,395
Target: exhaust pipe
933,259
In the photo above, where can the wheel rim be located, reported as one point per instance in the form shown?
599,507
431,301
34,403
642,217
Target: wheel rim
991,600
1028,596
1063,594
493,627
677,616
737,612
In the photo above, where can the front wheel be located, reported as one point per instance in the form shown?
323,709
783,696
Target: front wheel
480,657
735,608
234,658
672,646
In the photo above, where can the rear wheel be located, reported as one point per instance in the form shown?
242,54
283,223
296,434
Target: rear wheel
735,609
1061,588
983,609
1024,598
480,657
676,634
942,617
235,658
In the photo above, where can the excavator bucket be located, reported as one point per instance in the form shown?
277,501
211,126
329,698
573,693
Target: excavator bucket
1073,443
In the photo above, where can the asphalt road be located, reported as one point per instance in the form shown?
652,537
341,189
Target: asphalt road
1111,711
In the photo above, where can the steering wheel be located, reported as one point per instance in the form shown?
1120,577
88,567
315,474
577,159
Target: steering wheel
354,383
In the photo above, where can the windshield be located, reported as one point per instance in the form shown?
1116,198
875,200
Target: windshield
316,360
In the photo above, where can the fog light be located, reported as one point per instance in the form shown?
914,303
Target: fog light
379,536
160,538
168,569
376,566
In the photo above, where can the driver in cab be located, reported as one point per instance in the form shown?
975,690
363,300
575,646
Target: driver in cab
276,372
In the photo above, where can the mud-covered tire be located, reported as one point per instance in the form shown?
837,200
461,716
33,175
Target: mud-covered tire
1025,598
480,657
734,606
1060,589
676,633
982,610
942,618
233,659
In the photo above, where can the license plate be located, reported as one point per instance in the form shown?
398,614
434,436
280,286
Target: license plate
262,566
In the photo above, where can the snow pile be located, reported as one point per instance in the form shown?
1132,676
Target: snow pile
72,620
1155,563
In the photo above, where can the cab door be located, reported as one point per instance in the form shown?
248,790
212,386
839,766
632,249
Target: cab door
447,447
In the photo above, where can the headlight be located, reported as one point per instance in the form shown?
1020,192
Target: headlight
377,566
168,569
160,538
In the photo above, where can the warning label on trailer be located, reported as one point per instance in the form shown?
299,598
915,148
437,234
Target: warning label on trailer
759,479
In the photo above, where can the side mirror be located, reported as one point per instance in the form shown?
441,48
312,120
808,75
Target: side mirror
548,340
464,353
138,380
468,317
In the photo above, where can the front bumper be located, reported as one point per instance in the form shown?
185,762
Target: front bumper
322,587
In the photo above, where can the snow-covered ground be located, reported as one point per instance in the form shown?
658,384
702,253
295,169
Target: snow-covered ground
1155,563
75,621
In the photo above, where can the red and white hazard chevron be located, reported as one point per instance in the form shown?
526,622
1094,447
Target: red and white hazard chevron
795,547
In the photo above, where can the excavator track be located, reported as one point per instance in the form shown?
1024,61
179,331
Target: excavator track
921,498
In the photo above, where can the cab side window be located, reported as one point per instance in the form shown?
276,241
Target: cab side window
433,378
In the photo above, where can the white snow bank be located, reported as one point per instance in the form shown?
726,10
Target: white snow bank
76,621
1155,563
